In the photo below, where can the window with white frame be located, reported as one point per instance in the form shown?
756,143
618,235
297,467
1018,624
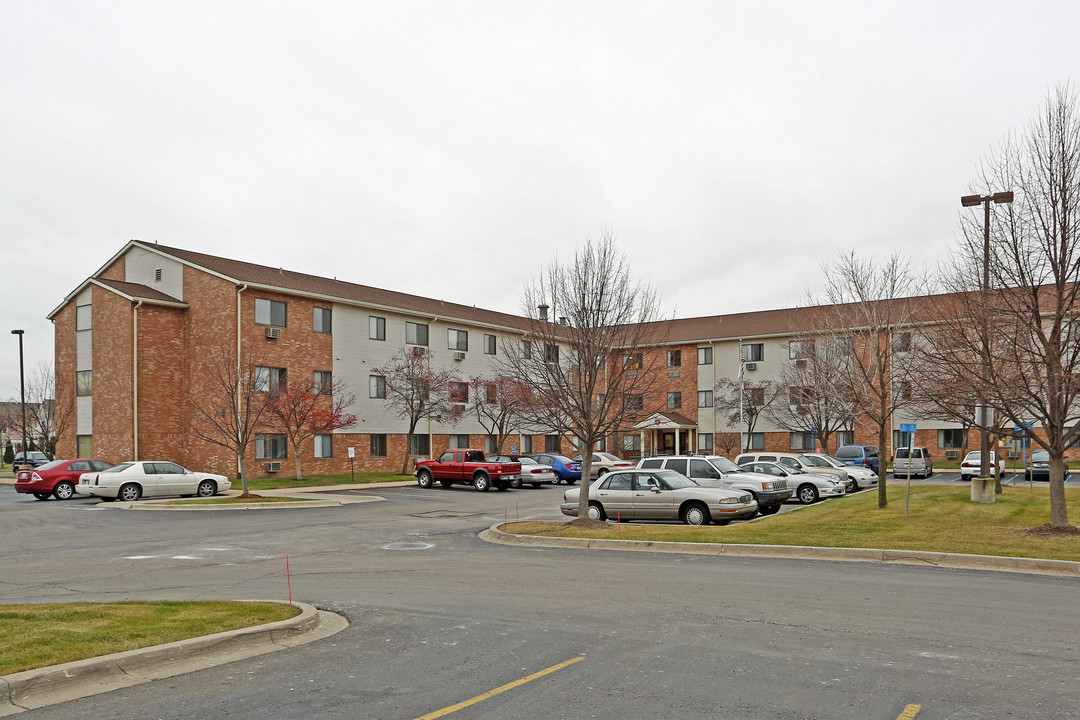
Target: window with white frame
526,349
551,353
705,442
951,439
421,445
416,333
376,327
704,398
83,317
490,447
674,358
704,355
631,444
376,386
674,400
901,342
800,349
323,320
490,343
324,382
270,379
459,442
378,445
526,445
270,447
753,352
457,339
802,441
324,446
756,441
845,437
84,383
553,443
270,312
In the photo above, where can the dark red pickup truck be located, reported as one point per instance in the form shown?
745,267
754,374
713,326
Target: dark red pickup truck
467,466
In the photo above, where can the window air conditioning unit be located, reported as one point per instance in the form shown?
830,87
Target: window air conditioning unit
273,467
419,351
273,333
952,454
751,366
1013,454
459,356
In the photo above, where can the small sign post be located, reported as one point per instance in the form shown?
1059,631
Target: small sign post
908,428
352,470
513,449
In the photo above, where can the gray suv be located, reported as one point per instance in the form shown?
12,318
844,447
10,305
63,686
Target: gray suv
718,471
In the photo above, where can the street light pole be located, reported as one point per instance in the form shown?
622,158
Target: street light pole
22,394
984,433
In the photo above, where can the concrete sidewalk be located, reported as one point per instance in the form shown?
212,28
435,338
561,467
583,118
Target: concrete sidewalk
59,683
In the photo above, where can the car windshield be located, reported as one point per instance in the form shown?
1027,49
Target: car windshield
54,463
118,468
675,480
726,466
1040,456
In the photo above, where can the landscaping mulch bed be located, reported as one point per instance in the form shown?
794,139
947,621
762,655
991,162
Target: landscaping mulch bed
1050,531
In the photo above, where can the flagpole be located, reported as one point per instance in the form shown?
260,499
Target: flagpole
742,393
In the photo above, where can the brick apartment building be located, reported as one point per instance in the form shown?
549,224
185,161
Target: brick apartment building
135,344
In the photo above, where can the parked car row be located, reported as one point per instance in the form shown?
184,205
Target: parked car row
63,479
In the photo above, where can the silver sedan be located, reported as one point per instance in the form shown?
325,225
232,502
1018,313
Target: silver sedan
532,472
660,495
809,488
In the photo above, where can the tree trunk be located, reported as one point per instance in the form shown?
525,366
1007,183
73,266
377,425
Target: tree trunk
243,472
883,453
1059,513
586,474
408,447
296,459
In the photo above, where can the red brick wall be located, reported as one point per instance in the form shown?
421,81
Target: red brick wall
112,388
64,366
115,271
162,430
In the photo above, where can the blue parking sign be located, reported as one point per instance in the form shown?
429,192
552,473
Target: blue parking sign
907,427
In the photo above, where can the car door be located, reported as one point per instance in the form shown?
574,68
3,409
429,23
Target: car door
653,500
75,469
616,494
703,473
145,474
175,480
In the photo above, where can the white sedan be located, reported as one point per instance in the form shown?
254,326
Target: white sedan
809,488
860,476
133,480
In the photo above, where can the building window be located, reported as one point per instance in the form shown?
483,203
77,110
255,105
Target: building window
270,447
489,344
905,390
378,445
952,439
755,441
457,339
634,402
705,442
674,400
416,333
901,342
376,328
526,445
459,442
323,322
491,393
845,437
802,441
551,353
553,443
601,445
800,349
845,346
83,317
270,379
704,355
526,349
798,396
84,383
324,446
270,312
674,358
631,444
376,386
85,446
632,361
753,352
459,394
324,382
756,396
421,445
489,444
900,438
704,398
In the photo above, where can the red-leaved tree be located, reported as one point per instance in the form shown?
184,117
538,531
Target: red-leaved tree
309,408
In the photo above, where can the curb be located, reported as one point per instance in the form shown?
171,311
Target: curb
37,688
314,498
1032,566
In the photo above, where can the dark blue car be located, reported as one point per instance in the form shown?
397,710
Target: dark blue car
862,455
565,469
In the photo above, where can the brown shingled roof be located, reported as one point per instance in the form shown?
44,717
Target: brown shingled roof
138,291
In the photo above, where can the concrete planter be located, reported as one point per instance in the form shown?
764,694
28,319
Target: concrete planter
983,490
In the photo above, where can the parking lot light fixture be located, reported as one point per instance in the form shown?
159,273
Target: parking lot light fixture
22,393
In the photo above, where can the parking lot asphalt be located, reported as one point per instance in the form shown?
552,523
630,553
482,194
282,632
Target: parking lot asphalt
438,617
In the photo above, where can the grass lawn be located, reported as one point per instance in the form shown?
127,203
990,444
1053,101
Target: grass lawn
941,519
278,482
34,636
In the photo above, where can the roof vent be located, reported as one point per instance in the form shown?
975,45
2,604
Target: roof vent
157,275
543,308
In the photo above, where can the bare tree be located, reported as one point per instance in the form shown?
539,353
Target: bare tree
1027,322
867,301
817,400
588,359
745,402
46,417
415,389
307,408
730,443
235,403
497,404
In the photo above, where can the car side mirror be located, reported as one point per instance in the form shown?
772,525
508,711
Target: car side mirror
654,489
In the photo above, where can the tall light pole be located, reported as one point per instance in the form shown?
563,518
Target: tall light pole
984,434
22,393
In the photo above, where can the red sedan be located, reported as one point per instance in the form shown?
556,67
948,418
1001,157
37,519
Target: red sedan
57,478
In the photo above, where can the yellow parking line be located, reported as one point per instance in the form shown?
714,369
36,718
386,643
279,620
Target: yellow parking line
496,691
910,712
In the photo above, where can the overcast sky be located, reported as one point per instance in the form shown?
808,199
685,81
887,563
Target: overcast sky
450,149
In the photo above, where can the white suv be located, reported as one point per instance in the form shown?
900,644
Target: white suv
717,471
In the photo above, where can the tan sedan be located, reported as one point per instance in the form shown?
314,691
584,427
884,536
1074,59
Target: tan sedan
660,495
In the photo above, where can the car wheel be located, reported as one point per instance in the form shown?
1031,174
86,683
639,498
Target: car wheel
808,494
535,485
596,511
515,483
207,488
64,490
696,514
424,479
556,480
43,496
769,510
855,485
482,482
129,492
602,472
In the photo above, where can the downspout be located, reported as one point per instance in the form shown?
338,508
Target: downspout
238,314
135,378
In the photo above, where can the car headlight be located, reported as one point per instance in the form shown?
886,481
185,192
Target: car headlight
729,501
